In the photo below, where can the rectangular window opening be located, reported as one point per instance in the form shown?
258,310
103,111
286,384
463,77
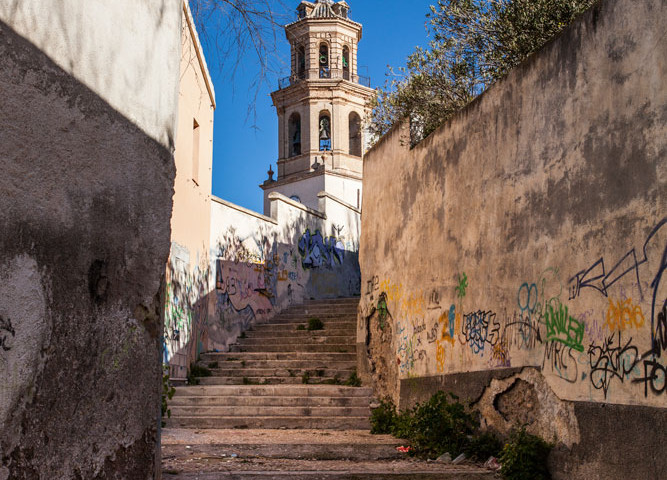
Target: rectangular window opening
195,151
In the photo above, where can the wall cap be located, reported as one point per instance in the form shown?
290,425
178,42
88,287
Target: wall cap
324,194
275,196
241,209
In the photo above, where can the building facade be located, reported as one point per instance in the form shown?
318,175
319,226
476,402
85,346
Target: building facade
187,273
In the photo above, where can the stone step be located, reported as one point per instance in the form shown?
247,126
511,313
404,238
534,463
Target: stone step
274,391
299,340
269,401
294,422
298,454
294,325
273,380
282,364
303,320
340,473
309,451
287,331
302,347
319,312
309,356
267,411
328,371
334,301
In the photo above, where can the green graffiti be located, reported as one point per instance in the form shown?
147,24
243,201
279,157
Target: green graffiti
563,328
462,286
383,312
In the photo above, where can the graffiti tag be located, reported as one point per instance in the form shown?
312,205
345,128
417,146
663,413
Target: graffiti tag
318,251
6,330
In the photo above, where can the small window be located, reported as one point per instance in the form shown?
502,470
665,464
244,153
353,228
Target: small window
325,132
195,151
346,63
301,62
325,72
355,134
294,135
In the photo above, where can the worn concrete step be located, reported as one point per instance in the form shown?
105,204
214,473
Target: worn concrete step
309,356
293,326
330,301
275,380
287,330
315,311
293,451
298,340
347,474
267,411
324,371
303,347
269,401
281,364
261,363
320,309
340,322
294,422
274,390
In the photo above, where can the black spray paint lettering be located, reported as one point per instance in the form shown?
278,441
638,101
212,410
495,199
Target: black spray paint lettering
655,376
561,360
6,330
614,359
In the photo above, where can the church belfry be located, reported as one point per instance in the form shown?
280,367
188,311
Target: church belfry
321,107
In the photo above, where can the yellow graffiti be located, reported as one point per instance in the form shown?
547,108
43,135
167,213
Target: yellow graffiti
624,314
393,292
440,356
414,305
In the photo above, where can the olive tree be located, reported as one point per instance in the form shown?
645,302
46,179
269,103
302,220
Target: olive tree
473,44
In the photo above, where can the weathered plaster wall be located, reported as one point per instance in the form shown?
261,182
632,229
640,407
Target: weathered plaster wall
517,254
85,205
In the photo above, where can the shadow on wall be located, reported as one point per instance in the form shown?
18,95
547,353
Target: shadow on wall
80,286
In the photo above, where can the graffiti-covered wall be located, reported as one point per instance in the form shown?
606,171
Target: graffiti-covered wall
261,265
516,256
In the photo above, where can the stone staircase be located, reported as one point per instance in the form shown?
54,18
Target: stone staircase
281,375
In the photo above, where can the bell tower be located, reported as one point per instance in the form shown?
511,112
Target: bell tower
321,108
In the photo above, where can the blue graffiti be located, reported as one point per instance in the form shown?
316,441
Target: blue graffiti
317,251
452,320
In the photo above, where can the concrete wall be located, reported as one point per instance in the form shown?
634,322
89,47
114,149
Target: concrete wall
188,266
262,265
86,124
516,255
306,189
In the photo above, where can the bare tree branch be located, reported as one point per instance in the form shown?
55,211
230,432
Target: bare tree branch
244,34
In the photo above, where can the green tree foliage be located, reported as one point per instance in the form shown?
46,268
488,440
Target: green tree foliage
474,43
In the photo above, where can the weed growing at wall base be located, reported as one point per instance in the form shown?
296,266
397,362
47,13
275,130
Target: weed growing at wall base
167,394
524,457
433,427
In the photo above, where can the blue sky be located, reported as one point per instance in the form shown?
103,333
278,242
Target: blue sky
242,152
